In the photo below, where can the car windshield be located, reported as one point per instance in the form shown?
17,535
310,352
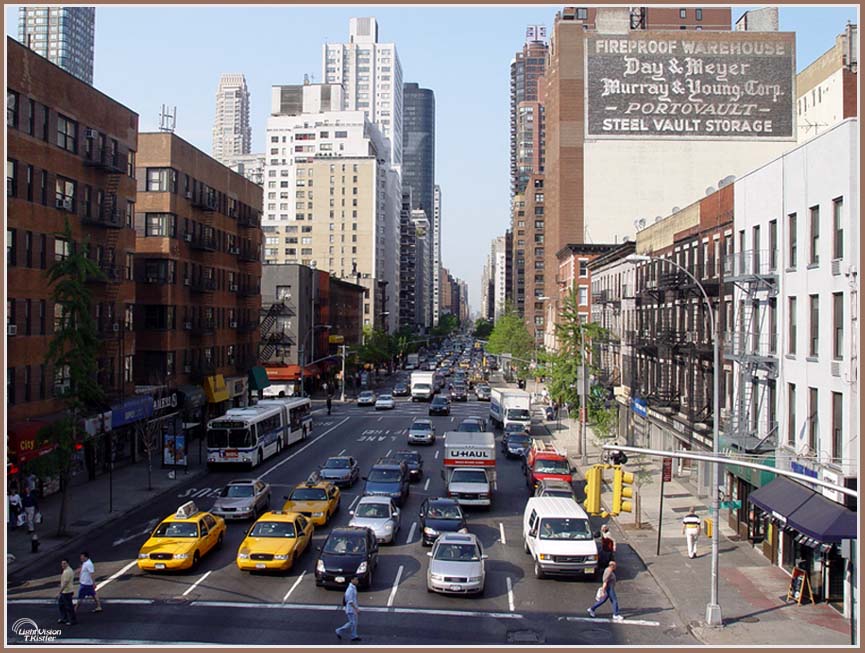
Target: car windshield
408,456
372,510
365,395
422,386
457,552
384,476
519,413
237,491
470,427
177,529
308,494
563,528
228,438
439,401
345,544
444,512
337,463
518,439
272,529
421,426
552,467
558,493
469,476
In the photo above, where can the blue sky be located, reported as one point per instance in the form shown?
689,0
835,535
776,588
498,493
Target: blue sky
147,56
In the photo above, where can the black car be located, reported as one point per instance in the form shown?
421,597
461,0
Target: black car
347,552
439,515
516,444
388,478
401,389
459,392
440,406
413,461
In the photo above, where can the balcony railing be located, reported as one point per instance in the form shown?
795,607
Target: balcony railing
110,274
106,159
203,243
249,221
751,263
107,214
203,285
249,255
740,345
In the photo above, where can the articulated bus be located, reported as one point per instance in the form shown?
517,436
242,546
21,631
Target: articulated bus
253,434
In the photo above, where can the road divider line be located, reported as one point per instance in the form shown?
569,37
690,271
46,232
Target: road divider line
302,449
627,622
354,501
395,585
379,419
388,453
296,583
510,593
116,575
195,584
330,608
437,455
502,531
426,485
341,452
411,533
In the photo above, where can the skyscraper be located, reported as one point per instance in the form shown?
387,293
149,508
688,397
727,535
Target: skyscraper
527,67
232,135
437,253
63,35
371,74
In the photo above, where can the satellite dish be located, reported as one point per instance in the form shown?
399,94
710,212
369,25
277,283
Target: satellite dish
675,209
726,181
642,223
710,190
658,218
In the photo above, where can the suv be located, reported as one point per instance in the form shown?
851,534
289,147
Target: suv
388,478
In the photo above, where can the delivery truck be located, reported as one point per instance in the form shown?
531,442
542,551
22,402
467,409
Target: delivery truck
422,386
510,406
412,362
470,467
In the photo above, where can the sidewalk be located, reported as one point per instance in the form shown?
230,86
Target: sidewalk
87,508
752,591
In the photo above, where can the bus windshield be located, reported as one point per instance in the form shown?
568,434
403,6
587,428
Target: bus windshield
228,438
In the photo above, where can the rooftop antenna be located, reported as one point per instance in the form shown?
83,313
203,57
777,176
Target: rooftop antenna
168,119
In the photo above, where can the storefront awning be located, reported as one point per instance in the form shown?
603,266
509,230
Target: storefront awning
215,389
805,510
193,397
258,378
24,441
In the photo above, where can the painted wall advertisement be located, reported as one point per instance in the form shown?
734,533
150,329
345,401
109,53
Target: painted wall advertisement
730,86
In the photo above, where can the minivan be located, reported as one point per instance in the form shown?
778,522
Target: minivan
559,537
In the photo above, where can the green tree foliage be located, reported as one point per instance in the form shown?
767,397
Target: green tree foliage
448,323
483,328
75,347
510,336
378,347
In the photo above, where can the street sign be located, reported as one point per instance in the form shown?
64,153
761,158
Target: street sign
668,469
336,340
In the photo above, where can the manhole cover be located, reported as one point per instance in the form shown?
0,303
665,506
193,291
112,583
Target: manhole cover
525,637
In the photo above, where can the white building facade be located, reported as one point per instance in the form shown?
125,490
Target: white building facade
232,134
436,253
499,274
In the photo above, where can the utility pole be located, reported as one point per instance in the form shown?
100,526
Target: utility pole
584,455
300,360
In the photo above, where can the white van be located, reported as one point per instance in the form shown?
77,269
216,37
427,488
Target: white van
558,535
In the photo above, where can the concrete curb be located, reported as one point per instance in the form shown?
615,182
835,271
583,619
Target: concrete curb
29,563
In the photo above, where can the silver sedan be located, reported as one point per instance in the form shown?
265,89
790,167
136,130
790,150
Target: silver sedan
242,499
378,514
421,430
456,565
384,402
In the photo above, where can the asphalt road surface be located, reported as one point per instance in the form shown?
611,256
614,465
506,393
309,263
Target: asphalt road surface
217,603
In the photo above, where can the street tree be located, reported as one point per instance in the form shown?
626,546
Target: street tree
73,354
510,336
148,432
483,328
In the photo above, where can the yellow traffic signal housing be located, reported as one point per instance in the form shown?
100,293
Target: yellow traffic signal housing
621,491
594,478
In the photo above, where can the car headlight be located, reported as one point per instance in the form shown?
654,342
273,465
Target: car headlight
181,556
280,556
592,558
430,531
388,526
243,556
318,514
437,577
544,556
142,556
361,569
463,530
319,566
475,579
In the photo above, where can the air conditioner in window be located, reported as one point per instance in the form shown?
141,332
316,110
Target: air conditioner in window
91,133
836,267
187,282
233,287
233,325
187,238
836,368
115,327
152,280
11,330
189,194
234,250
187,326
187,369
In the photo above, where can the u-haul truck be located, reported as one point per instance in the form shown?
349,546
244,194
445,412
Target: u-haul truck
470,467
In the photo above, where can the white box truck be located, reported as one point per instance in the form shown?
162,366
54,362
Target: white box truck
422,386
470,467
412,362
510,406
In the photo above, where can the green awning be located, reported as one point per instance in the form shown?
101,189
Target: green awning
258,378
756,477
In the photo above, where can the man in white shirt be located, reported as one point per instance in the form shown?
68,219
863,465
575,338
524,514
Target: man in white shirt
351,610
691,527
86,584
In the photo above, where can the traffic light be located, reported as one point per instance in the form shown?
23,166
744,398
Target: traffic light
622,479
594,477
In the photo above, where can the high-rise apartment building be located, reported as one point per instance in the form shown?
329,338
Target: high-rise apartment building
63,35
232,135
371,74
437,253
527,68
499,257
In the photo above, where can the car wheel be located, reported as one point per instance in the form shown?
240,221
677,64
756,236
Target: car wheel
260,458
196,558
539,573
219,541
526,547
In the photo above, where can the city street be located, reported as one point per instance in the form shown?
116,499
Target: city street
217,603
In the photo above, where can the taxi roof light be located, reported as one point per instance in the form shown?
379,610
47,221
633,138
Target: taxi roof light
186,510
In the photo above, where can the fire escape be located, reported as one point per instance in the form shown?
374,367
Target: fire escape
274,331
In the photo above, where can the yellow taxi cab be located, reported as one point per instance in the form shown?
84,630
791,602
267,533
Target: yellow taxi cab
315,499
182,539
275,541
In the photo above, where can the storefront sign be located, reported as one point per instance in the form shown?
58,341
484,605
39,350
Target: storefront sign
639,407
131,410
831,477
166,404
801,469
719,86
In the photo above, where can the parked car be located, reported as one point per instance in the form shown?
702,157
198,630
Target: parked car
439,515
553,487
242,499
413,461
421,431
456,565
388,478
378,513
384,402
401,389
366,398
440,406
347,552
482,392
340,470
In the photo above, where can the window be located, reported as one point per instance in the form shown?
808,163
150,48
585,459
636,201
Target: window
582,14
815,235
791,336
11,178
683,13
837,427
584,295
838,326
792,243
26,383
584,267
773,245
62,379
127,369
130,164
698,14
837,229
28,248
812,419
814,336
67,134
42,312
791,414
12,108
161,180
11,248
160,224
10,384
64,193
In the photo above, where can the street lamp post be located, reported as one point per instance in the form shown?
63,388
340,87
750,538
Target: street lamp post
713,608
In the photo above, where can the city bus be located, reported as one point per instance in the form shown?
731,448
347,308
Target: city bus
246,435
298,419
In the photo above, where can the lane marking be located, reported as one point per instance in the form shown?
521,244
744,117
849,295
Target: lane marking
147,530
395,585
341,452
380,418
351,507
627,622
437,455
426,485
510,593
116,575
195,584
296,583
339,608
388,453
411,532
502,531
453,419
302,449
107,601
